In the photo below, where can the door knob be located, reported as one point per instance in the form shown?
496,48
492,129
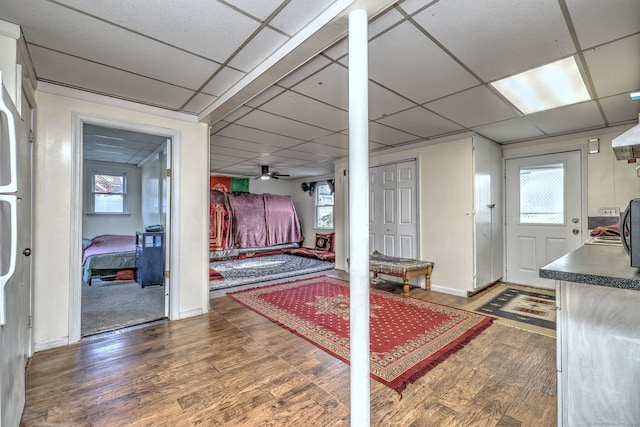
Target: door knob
26,252
576,231
575,220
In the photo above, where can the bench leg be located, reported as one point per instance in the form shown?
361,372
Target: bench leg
405,287
427,279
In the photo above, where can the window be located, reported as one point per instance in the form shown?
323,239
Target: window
108,193
324,205
542,194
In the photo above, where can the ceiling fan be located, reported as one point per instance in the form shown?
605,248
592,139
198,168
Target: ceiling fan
268,175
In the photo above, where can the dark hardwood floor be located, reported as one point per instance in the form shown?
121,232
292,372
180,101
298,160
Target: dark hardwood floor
232,367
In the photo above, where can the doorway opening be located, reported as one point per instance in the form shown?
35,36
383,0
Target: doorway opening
123,198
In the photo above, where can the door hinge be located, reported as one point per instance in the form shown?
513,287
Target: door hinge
30,322
169,173
167,274
32,136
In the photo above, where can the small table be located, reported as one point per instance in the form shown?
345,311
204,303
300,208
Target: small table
404,268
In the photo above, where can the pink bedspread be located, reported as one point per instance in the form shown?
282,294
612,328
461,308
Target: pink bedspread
109,243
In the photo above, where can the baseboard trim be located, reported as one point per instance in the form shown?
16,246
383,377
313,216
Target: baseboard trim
191,313
49,344
450,291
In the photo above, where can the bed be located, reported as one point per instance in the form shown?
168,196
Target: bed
107,254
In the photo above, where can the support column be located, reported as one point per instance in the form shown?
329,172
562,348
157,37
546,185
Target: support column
358,217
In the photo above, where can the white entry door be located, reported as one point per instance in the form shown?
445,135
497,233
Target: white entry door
543,213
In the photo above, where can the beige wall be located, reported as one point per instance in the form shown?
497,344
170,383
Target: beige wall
306,209
53,184
610,182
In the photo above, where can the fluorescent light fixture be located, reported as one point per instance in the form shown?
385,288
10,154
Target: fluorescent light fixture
550,86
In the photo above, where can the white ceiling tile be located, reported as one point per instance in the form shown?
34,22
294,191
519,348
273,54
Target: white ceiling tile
386,135
415,68
258,49
473,107
227,152
593,27
419,121
307,110
260,9
382,22
620,108
281,126
259,136
319,148
241,111
570,118
240,144
615,67
215,30
383,102
298,14
301,155
329,85
199,102
276,163
496,38
62,29
304,71
509,130
338,50
411,6
82,74
226,78
265,96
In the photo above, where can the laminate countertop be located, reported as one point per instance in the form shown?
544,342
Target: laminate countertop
598,265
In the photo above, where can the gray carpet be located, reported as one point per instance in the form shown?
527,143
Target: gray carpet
109,305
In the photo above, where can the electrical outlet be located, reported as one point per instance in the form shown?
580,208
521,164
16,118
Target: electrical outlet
609,211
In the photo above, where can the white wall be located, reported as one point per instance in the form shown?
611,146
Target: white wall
153,197
53,181
610,183
97,224
306,209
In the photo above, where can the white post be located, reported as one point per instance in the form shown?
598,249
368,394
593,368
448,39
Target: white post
359,217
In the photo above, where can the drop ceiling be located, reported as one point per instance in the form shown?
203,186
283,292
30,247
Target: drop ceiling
270,76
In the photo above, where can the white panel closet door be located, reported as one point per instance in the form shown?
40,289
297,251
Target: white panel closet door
392,209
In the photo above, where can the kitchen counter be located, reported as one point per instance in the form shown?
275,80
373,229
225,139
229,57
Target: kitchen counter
595,265
597,336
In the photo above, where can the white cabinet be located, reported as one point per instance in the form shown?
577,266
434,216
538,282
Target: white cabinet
598,360
461,213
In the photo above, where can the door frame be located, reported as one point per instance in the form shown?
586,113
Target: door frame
75,267
541,152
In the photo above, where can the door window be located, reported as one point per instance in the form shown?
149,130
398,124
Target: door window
542,194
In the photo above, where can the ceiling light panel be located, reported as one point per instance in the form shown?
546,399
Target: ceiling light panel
550,86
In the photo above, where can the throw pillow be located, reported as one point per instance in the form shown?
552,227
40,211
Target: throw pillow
324,242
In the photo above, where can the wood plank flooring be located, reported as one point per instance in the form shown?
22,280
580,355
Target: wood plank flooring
232,367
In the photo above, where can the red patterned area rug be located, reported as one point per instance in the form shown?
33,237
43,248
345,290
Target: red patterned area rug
408,336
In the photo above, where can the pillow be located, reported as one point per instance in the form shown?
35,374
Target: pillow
324,242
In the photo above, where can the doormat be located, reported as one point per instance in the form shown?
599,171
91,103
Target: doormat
523,307
408,336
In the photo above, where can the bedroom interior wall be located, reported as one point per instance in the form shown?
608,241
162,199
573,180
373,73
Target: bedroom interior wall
97,224
152,190
53,157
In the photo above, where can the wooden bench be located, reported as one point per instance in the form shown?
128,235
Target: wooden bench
404,268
